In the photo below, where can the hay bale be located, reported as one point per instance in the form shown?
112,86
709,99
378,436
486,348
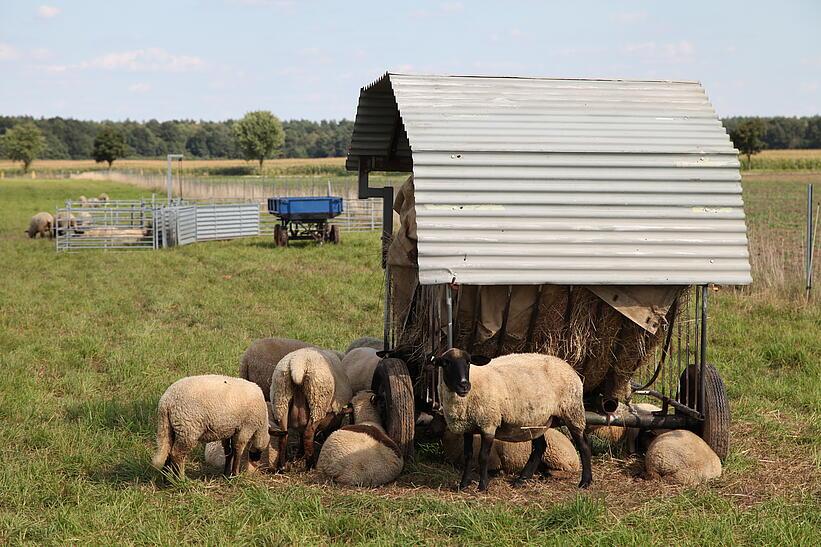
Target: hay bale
550,325
607,326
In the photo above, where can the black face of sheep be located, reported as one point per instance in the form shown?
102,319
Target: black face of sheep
456,365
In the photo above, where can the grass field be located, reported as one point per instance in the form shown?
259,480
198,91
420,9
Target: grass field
89,342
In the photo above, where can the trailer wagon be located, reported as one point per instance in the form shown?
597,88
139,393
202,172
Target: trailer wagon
582,218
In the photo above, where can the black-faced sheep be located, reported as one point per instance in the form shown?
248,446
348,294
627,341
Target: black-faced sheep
366,342
359,365
513,398
681,457
260,359
210,408
41,223
308,391
361,454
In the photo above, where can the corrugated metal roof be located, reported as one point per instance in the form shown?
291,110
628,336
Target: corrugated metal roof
537,180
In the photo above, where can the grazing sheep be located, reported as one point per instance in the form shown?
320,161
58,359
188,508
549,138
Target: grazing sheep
513,398
359,365
41,223
215,453
308,391
361,454
366,342
83,200
210,408
260,359
512,457
681,457
103,197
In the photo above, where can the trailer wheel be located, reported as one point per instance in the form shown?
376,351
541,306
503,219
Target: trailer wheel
716,427
392,383
333,234
280,236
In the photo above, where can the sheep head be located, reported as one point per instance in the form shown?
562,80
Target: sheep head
456,369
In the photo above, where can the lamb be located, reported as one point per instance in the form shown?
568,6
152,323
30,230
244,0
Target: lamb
681,457
210,408
512,398
308,391
511,457
215,453
366,342
361,454
42,224
260,359
359,365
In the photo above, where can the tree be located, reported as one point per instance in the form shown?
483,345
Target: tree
258,135
747,138
24,142
109,145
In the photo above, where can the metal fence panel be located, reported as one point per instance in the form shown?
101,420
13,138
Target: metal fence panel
186,225
114,225
226,220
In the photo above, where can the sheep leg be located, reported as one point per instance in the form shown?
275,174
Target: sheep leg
538,446
240,443
580,440
484,458
281,456
228,450
308,444
179,452
467,459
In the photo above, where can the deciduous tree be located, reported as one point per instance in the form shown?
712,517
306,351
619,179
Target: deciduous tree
24,142
258,135
109,145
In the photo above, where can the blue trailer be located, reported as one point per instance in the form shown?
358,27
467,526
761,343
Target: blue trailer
305,218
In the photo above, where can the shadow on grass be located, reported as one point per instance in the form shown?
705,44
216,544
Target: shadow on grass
271,245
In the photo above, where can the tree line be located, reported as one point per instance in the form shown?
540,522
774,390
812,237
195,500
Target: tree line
67,138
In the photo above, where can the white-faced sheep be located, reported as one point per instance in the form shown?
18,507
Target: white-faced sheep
308,391
513,398
63,222
103,197
560,454
41,223
260,359
681,457
361,454
215,453
359,365
366,342
83,200
210,408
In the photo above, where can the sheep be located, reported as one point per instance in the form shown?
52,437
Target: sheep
63,222
513,398
210,408
634,439
42,224
511,457
681,457
103,197
359,365
260,359
361,454
83,200
308,391
215,453
84,221
366,342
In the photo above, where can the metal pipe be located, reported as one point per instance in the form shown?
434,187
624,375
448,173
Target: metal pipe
683,408
810,242
449,302
644,421
608,405
703,361
169,182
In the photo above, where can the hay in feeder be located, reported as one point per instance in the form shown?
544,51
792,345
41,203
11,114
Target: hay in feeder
608,324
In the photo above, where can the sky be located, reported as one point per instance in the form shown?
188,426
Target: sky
217,59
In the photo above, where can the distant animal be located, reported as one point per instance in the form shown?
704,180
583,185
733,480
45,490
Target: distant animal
41,224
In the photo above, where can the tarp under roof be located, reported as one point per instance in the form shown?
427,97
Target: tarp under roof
537,180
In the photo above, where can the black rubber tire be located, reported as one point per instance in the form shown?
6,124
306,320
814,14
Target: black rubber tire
334,235
392,382
716,427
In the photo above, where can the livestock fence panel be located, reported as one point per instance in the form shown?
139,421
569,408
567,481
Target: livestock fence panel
114,225
227,220
186,224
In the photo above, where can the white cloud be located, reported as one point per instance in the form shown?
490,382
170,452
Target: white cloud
41,54
48,12
138,60
139,87
451,7
630,17
8,52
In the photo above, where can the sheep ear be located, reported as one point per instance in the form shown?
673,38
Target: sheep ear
479,360
384,353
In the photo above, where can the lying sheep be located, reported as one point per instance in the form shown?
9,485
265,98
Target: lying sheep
260,359
510,458
215,453
361,454
210,408
633,439
41,223
308,391
366,342
513,398
359,365
681,457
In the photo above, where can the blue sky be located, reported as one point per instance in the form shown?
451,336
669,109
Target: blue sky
217,59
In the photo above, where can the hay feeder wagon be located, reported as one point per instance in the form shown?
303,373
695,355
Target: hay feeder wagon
588,219
305,218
